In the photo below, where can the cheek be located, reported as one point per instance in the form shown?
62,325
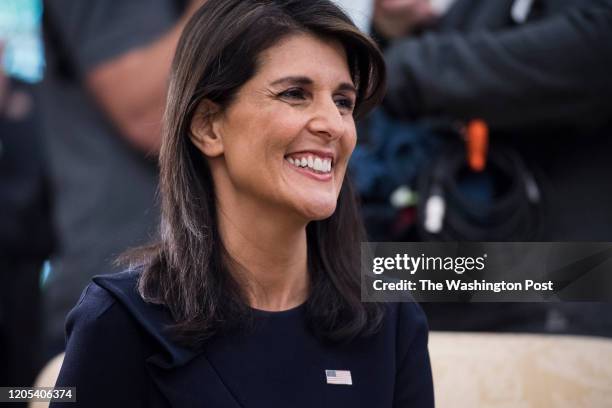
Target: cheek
286,122
250,136
275,128
258,144
350,138
351,143
347,145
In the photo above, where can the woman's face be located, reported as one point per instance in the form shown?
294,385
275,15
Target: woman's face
288,135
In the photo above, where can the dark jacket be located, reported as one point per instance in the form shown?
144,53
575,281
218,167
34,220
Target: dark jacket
119,354
543,86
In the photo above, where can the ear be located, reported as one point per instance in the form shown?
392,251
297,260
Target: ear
205,129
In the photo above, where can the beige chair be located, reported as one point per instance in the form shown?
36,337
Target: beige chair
47,377
520,371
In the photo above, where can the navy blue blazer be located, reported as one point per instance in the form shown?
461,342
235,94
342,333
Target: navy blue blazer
118,354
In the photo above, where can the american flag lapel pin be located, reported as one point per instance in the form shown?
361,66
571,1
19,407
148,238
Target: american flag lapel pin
342,377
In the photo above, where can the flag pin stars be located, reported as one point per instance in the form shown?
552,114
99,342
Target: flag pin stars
342,377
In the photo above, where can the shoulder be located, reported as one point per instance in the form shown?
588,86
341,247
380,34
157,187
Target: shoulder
404,329
94,35
101,313
102,293
407,323
111,306
405,316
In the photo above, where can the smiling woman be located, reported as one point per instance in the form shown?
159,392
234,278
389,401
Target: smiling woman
251,298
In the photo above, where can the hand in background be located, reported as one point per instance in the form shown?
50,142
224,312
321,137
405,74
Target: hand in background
397,18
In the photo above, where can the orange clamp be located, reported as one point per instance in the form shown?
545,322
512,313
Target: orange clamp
477,144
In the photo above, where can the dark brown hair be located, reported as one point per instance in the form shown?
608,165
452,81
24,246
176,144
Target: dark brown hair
187,270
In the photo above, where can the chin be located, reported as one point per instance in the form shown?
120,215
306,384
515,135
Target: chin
319,211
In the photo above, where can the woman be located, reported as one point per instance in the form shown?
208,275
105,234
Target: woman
252,296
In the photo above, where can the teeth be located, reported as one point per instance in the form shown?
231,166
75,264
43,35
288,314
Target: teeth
315,163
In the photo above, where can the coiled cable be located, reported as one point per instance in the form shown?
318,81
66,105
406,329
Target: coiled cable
501,203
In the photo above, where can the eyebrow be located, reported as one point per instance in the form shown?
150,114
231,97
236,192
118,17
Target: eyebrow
303,81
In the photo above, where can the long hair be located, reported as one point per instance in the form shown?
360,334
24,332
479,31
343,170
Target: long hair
187,270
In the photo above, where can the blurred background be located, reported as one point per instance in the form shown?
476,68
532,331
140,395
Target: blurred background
497,126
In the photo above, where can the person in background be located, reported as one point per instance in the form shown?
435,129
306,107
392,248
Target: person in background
26,236
538,73
101,100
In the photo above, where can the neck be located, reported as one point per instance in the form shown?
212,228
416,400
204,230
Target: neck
269,253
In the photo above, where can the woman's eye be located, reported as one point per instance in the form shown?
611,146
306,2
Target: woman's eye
345,104
293,93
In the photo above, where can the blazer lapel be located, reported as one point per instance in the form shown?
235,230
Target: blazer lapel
195,384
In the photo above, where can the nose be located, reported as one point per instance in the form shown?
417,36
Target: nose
327,121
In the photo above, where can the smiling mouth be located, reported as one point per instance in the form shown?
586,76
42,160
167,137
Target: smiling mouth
311,162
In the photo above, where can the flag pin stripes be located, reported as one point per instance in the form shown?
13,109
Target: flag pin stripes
342,377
